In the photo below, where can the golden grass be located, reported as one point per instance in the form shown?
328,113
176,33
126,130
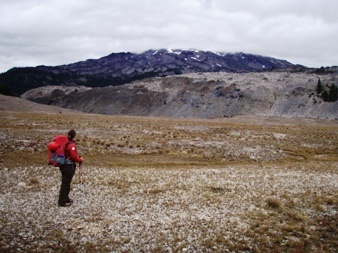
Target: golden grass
137,141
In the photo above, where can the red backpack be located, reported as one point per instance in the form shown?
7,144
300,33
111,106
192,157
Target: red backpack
56,151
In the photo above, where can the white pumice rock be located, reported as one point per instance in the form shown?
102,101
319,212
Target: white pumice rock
156,208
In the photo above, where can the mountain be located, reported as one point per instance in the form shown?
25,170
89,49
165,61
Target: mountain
120,68
179,83
167,62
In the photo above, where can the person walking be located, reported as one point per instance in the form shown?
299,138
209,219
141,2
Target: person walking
68,170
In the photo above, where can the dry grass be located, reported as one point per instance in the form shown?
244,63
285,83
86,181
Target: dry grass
170,185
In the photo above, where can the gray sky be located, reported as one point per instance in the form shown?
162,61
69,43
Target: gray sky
55,32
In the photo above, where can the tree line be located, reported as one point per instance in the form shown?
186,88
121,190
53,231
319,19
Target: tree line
17,81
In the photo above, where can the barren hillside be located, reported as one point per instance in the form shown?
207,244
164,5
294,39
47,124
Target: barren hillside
204,95
8,103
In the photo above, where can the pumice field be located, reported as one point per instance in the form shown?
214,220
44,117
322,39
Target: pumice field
242,184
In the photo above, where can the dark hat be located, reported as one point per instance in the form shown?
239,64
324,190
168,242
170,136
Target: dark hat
71,134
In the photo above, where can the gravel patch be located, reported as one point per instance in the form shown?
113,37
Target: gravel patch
221,209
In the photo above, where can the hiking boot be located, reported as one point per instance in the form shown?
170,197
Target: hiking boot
70,201
66,205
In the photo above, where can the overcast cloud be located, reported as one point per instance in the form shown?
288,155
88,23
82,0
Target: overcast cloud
54,32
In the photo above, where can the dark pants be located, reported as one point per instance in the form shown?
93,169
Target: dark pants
67,172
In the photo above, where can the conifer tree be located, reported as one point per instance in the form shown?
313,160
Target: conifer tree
325,96
333,93
319,86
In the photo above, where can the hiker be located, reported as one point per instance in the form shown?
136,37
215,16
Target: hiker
68,169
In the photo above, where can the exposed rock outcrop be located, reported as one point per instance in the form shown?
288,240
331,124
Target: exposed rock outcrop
203,95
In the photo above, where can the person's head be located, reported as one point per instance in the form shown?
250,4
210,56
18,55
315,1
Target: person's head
71,134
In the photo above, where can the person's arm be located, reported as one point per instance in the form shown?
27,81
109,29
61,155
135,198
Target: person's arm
73,155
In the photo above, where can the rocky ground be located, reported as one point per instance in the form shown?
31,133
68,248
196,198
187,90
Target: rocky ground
206,209
243,184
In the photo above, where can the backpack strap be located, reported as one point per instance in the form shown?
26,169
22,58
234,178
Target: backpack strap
66,151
